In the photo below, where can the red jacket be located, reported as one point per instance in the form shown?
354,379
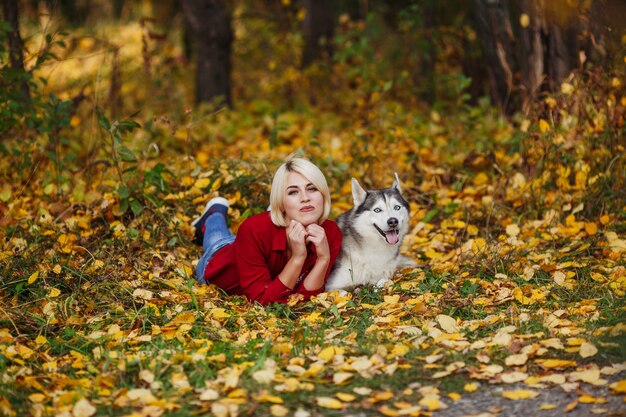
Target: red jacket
251,265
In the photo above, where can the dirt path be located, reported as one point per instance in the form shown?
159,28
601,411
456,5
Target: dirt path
488,402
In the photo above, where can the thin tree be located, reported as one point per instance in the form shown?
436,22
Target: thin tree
210,24
318,28
16,47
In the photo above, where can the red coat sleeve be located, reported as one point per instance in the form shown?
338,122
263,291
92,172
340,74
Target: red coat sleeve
334,237
252,265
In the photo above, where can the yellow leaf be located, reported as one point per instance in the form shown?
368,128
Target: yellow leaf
590,376
269,398
513,377
520,394
447,323
385,410
516,360
543,126
559,278
431,402
547,406
345,397
567,88
219,313
217,184
202,183
587,350
341,377
399,349
588,399
55,292
278,410
619,387
83,408
481,179
512,230
328,402
524,20
37,397
327,354
454,396
57,269
209,395
470,387
591,228
556,363
569,407
41,340
33,277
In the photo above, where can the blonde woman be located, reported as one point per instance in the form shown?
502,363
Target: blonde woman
289,249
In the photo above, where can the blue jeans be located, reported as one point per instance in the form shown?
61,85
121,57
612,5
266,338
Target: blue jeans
216,236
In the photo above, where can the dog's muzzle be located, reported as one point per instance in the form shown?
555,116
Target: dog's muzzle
392,234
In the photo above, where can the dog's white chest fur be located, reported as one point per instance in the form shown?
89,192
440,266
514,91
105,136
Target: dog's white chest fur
363,266
372,234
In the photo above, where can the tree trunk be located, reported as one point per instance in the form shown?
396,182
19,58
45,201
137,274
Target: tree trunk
427,69
16,46
318,28
531,51
210,22
496,39
564,25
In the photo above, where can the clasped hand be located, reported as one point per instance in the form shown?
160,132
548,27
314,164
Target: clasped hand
298,236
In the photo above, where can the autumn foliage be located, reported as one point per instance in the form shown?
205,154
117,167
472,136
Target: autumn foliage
519,226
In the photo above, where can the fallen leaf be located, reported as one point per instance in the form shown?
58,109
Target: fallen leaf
83,408
587,350
328,402
447,323
520,394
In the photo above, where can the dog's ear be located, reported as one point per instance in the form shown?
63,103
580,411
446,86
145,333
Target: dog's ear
358,193
396,182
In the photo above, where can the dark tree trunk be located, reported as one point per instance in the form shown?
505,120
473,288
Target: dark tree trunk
564,25
427,69
531,51
210,22
496,39
548,46
318,28
16,45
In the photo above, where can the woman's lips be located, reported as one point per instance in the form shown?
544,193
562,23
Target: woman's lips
306,209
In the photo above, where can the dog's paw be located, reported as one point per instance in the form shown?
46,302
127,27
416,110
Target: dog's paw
381,283
406,262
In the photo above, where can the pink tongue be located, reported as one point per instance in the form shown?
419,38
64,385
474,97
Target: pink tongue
392,237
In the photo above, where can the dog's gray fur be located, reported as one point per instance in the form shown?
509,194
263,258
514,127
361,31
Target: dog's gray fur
370,253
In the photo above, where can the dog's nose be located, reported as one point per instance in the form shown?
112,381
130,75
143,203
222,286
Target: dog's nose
392,222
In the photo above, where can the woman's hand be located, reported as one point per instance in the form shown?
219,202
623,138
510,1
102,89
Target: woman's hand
317,235
296,237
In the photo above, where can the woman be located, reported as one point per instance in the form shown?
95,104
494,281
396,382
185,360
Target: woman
287,250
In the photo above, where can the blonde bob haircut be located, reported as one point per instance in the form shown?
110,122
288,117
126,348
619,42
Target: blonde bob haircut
309,171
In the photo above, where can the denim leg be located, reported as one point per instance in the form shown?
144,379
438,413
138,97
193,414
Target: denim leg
216,236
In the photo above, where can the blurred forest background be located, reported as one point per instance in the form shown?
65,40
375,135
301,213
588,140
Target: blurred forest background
295,53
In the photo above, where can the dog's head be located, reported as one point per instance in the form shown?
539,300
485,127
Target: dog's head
385,210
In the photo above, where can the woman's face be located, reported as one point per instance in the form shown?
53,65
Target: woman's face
303,202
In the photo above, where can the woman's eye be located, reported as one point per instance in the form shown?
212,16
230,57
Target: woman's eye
397,208
377,210
292,192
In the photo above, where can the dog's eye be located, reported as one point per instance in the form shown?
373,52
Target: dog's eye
377,210
397,207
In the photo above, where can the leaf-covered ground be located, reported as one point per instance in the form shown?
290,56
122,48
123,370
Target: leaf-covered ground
519,227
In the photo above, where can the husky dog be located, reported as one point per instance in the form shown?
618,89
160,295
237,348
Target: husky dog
372,234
